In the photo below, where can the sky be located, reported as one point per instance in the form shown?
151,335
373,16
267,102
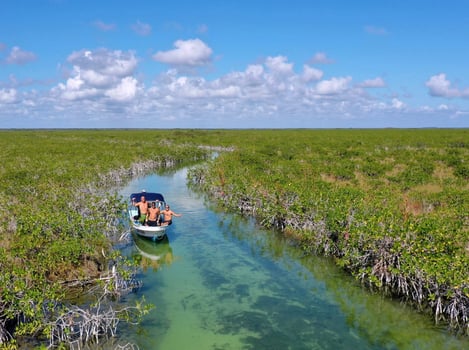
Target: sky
234,64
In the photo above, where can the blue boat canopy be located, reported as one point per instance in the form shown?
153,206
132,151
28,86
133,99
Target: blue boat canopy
149,196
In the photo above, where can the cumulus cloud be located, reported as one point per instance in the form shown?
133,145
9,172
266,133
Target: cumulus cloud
254,72
440,86
333,86
7,96
311,74
93,77
253,75
321,58
397,104
191,53
73,90
279,65
142,29
271,87
106,80
373,83
124,91
195,88
111,63
100,73
104,83
19,56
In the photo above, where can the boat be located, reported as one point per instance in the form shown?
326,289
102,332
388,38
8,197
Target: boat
154,233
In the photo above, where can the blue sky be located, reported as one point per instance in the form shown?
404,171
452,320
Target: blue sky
234,64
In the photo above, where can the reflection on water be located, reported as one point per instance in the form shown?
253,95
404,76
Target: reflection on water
220,282
151,254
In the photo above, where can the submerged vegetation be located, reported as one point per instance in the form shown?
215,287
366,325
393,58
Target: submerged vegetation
391,206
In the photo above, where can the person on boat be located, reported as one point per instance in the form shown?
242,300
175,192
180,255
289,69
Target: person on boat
143,208
168,216
153,218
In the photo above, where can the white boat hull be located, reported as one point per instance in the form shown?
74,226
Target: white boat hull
152,232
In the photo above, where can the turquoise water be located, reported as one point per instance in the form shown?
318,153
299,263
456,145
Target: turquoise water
221,282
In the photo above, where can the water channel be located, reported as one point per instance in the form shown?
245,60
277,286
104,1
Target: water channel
222,282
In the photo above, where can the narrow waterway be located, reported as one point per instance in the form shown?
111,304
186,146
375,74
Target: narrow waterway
221,282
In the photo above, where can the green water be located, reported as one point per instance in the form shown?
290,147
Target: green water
221,282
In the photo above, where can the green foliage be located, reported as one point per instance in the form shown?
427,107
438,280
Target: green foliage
57,211
391,205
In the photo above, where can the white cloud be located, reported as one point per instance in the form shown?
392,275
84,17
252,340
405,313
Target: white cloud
254,72
95,78
373,83
111,63
124,91
19,56
397,104
100,73
333,86
106,84
75,89
253,76
439,86
193,52
226,92
270,88
186,87
75,83
279,65
142,29
443,107
311,74
197,88
7,95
